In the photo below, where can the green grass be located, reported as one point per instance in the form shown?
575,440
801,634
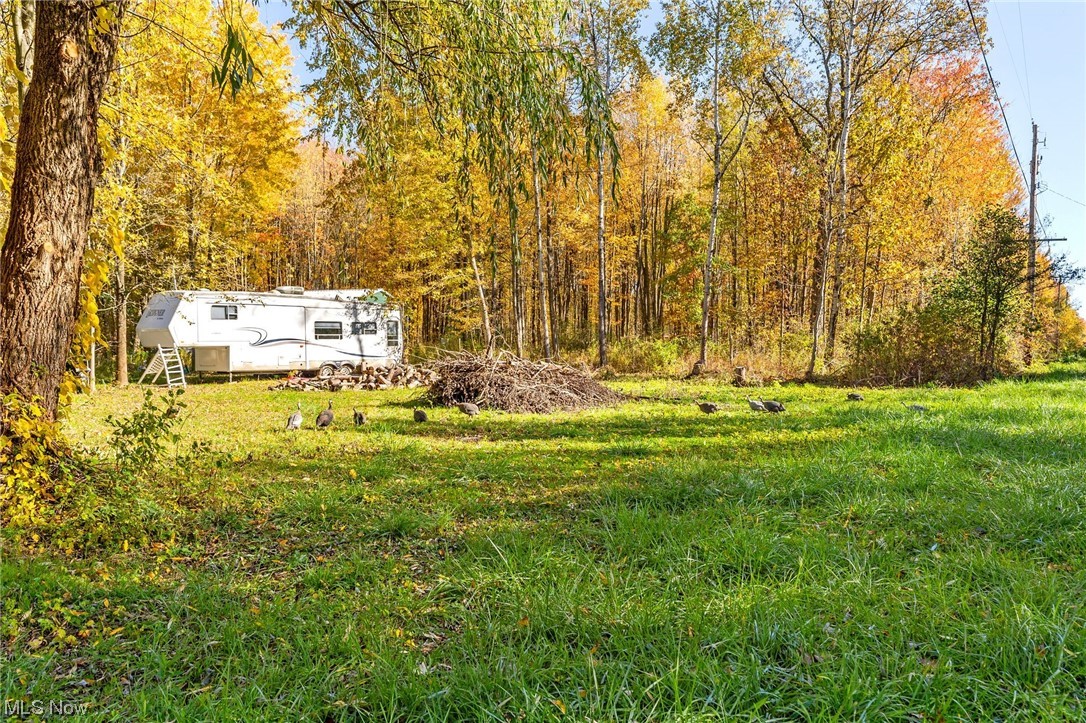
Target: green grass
838,562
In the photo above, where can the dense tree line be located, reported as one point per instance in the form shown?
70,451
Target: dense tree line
779,180
789,205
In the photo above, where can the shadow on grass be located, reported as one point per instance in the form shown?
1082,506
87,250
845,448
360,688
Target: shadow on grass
640,563
1055,373
861,463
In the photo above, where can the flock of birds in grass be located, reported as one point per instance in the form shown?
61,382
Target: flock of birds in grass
327,417
771,406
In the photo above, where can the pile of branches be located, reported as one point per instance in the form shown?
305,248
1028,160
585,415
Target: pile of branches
369,378
513,384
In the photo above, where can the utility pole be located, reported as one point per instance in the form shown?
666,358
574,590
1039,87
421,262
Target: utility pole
1033,222
1031,268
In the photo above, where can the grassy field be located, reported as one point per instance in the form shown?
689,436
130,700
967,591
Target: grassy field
841,561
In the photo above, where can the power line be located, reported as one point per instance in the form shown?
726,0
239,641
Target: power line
1025,57
1014,64
1049,189
995,91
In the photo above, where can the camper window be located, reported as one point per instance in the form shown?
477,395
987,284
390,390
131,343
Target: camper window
363,327
327,330
392,333
223,311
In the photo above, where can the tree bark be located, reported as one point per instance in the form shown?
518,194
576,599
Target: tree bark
836,302
22,25
836,194
517,284
541,260
842,193
643,246
552,277
122,325
57,163
822,262
601,257
714,211
488,333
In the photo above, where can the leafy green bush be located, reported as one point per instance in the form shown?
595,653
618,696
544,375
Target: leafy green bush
139,441
916,346
34,461
142,491
967,331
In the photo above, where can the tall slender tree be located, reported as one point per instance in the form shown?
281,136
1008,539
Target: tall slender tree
609,29
711,48
541,262
22,26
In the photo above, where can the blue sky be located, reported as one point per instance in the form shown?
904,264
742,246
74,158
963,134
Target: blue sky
1039,64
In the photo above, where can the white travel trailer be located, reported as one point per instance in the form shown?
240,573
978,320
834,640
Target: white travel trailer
276,331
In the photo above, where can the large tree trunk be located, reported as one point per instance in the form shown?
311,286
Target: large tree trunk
836,193
552,277
842,197
642,300
57,163
707,270
836,303
467,230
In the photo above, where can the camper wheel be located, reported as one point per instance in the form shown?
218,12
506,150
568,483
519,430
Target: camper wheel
346,369
326,370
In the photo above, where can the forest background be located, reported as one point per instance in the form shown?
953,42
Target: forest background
805,188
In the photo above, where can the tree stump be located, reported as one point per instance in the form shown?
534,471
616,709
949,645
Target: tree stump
740,377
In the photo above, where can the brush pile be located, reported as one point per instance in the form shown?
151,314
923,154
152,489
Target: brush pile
513,384
369,378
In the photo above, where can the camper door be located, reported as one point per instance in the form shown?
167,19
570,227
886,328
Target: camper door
393,335
364,338
328,333
286,336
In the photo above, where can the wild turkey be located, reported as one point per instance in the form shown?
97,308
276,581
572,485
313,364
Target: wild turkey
359,418
755,405
855,397
294,421
420,416
325,418
915,407
468,408
772,406
707,407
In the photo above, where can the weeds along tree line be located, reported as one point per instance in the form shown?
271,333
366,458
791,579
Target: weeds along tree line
802,186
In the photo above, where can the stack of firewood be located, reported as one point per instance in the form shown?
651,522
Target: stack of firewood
370,378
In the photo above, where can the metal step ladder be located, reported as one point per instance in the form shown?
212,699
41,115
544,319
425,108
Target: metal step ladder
168,360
